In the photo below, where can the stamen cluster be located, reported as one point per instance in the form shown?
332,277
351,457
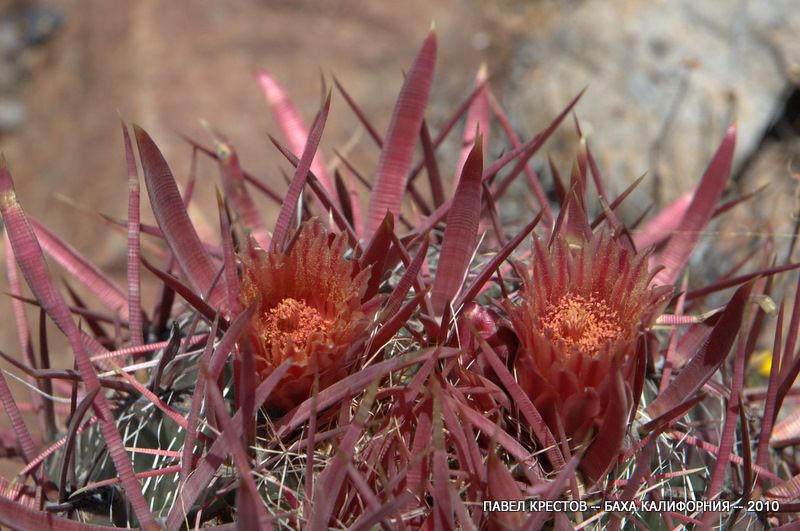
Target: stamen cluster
582,323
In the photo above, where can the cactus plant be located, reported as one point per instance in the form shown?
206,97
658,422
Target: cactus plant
414,364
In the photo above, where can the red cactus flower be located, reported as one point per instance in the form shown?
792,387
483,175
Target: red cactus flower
583,309
309,309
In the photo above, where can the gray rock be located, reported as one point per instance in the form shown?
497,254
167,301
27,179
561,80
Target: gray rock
22,28
665,78
12,114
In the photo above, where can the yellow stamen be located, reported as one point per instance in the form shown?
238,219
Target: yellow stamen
583,323
292,319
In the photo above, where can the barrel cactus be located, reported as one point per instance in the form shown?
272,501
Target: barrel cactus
391,354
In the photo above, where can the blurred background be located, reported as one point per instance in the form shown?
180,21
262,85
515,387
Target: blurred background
665,78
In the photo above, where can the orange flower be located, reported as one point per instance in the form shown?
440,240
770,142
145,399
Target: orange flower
310,310
583,311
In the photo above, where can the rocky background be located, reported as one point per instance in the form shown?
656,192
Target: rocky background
664,79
